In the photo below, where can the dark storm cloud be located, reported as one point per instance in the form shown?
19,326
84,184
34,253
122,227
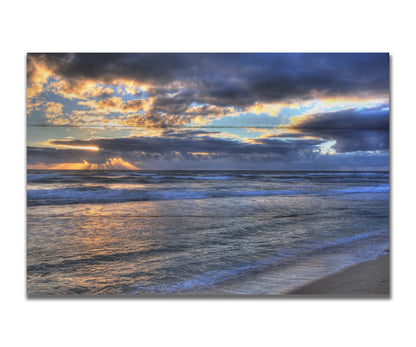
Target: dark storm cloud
173,105
36,155
353,130
358,140
366,118
194,144
170,144
236,80
173,90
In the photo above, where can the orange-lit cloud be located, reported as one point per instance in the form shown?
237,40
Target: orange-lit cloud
38,75
53,110
84,88
33,104
175,106
272,109
114,104
80,89
202,153
130,86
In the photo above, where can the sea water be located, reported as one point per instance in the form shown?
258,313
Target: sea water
199,232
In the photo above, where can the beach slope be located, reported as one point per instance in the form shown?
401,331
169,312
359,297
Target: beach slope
367,279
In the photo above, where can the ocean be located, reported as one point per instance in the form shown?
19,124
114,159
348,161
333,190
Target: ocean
199,232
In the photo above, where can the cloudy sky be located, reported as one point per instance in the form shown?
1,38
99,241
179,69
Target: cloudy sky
208,111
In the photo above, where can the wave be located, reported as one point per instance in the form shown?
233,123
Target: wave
101,194
216,277
368,189
46,176
221,178
181,177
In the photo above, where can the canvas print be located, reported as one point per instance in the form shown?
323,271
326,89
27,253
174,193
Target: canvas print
207,174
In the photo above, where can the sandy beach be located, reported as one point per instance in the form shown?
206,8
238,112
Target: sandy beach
368,278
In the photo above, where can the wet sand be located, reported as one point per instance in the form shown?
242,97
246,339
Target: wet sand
366,279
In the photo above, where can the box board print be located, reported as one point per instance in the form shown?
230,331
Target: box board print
207,174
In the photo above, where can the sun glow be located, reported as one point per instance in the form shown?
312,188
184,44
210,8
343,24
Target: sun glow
88,148
110,164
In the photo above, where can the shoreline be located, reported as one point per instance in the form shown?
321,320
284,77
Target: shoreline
370,278
323,270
